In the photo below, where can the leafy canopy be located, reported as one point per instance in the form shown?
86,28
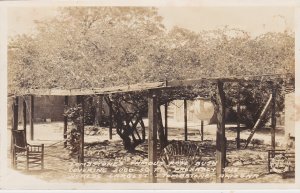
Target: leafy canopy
85,47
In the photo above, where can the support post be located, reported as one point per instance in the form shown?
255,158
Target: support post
273,118
15,108
238,112
220,138
31,117
110,119
98,100
166,121
166,115
66,103
15,113
80,101
202,127
185,120
152,135
24,115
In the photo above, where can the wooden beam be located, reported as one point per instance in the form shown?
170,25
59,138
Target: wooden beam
185,120
258,122
253,78
152,135
202,127
273,118
95,91
220,135
31,117
66,103
148,86
24,115
238,112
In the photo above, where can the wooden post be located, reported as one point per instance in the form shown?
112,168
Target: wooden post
238,112
24,115
15,113
202,127
82,134
185,120
98,100
66,103
80,101
110,119
15,108
166,121
100,109
152,136
273,118
220,138
166,115
31,117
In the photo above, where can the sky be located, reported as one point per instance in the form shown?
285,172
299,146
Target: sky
255,20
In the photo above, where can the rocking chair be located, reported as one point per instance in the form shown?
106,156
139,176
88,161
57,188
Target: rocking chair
29,155
180,151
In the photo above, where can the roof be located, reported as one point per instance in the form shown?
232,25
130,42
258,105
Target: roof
148,86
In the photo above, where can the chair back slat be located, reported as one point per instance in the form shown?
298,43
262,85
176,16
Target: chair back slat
33,154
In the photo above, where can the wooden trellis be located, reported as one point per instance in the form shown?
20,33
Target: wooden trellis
153,102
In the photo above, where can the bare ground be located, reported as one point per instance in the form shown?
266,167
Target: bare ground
107,161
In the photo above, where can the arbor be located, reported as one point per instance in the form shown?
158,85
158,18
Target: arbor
86,47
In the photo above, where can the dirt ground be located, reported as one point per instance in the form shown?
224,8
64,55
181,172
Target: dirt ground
107,161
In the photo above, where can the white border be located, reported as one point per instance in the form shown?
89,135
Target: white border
64,186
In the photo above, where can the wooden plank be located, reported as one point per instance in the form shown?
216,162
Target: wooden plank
31,117
24,115
220,135
257,124
185,120
238,130
66,103
273,118
152,135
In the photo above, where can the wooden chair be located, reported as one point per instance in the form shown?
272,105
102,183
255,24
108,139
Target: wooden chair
29,155
180,152
281,161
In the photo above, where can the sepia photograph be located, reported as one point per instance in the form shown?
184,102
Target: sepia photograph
149,94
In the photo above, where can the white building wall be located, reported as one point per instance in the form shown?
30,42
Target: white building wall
289,117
